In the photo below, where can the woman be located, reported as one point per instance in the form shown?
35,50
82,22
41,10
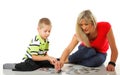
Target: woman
95,39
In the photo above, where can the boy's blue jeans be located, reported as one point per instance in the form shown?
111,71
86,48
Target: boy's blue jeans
87,57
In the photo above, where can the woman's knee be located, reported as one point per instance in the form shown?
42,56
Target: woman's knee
94,61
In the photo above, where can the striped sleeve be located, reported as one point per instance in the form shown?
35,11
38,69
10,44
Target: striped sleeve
33,47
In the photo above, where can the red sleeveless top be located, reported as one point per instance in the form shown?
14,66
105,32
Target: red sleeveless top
101,42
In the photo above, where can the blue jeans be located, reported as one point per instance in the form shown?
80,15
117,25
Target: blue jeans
87,57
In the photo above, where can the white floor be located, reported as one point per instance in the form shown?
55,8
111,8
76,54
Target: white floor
68,69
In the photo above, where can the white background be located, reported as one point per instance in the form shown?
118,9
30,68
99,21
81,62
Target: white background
19,19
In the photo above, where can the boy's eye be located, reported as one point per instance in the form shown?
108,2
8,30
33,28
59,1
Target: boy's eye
46,31
49,31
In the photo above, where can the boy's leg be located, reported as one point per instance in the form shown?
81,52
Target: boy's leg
27,65
81,54
94,61
30,65
45,64
9,66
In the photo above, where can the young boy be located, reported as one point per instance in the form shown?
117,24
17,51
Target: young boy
36,55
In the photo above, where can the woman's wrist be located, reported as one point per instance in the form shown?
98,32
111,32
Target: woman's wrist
112,63
62,62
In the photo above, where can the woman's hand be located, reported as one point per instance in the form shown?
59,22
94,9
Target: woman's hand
110,67
58,65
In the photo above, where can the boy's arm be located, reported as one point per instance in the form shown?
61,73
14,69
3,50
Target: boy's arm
52,60
40,58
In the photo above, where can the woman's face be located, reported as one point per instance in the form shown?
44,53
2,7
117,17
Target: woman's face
87,28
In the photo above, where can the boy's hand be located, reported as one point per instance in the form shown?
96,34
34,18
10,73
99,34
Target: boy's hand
52,60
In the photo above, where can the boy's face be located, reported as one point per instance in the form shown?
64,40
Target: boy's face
44,32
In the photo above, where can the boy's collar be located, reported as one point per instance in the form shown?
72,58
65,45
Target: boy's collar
41,40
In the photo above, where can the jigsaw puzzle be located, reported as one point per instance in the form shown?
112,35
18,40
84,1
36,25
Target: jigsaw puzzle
71,69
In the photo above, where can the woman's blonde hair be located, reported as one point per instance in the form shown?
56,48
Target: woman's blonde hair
88,17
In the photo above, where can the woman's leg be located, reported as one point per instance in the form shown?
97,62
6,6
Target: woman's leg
94,61
81,54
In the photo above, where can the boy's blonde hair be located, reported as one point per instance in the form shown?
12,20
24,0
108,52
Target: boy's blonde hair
45,21
89,18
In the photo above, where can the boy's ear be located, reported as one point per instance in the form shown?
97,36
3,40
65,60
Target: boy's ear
38,28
